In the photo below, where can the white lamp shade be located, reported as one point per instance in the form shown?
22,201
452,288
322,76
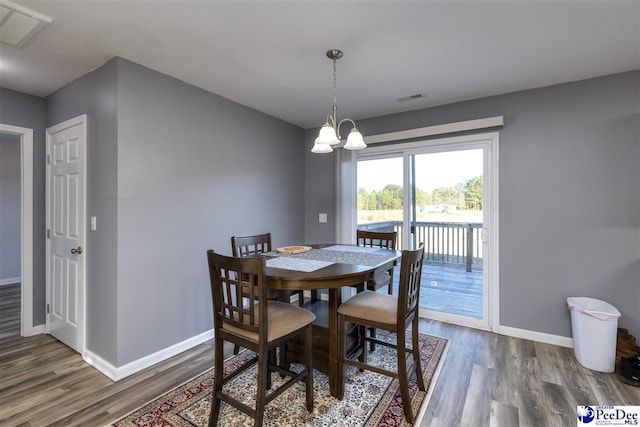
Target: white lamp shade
355,141
327,135
321,148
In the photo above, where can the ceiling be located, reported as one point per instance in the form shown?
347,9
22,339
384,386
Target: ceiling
270,55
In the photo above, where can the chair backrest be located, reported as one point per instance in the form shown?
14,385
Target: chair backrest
409,285
386,240
231,279
244,246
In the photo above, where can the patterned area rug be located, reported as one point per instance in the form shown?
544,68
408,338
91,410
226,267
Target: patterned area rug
370,399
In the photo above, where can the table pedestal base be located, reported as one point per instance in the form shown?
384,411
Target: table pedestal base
321,337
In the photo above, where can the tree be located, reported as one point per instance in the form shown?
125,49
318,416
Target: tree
473,193
363,199
373,201
422,197
390,197
445,195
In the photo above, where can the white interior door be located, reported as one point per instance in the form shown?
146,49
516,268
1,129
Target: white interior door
66,148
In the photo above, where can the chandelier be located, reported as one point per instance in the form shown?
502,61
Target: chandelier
329,136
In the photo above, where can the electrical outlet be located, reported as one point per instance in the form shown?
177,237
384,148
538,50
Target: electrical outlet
434,283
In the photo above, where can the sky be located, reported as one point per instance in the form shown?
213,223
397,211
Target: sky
433,170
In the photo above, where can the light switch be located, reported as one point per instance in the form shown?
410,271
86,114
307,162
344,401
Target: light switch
322,217
93,223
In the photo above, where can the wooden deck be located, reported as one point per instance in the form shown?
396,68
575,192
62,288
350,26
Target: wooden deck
449,290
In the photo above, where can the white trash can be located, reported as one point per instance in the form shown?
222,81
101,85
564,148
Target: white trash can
594,325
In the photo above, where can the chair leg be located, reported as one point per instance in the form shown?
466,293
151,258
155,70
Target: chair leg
416,354
372,334
236,349
362,332
217,382
402,377
261,392
308,344
283,361
341,350
372,331
271,358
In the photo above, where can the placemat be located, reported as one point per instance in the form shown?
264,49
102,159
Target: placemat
290,263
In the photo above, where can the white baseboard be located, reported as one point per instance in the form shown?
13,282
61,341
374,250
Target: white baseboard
101,365
10,281
536,336
118,373
35,330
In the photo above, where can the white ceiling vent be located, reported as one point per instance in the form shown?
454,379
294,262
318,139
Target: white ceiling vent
411,97
19,25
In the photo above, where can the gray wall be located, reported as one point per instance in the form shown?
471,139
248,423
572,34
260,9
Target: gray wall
569,195
172,171
10,210
193,170
95,95
18,109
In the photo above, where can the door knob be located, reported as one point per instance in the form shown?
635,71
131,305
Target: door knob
77,251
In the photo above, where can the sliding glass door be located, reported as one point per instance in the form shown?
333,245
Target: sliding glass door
436,193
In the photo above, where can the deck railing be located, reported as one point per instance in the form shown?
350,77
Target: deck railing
448,243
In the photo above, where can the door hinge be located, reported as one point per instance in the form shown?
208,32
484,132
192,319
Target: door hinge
48,159
48,233
47,308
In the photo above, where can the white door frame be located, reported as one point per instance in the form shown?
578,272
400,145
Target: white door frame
26,233
490,236
82,119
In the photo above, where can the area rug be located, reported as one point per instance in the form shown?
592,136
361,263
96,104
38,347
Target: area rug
370,399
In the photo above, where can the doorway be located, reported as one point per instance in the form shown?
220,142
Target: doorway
439,193
25,136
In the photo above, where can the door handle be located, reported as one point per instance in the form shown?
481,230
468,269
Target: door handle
77,251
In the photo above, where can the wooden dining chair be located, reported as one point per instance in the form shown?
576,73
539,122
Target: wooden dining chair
252,246
383,240
390,313
260,325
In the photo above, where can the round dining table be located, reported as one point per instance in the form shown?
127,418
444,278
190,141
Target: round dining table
337,267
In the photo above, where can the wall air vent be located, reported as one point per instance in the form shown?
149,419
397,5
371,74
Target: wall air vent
411,97
19,25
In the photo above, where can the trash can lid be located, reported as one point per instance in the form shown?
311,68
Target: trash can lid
593,307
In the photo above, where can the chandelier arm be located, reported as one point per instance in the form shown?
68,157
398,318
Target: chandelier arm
340,124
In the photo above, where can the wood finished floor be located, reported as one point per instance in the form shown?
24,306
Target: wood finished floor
486,380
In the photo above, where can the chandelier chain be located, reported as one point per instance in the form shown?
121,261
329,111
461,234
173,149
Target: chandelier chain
335,102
